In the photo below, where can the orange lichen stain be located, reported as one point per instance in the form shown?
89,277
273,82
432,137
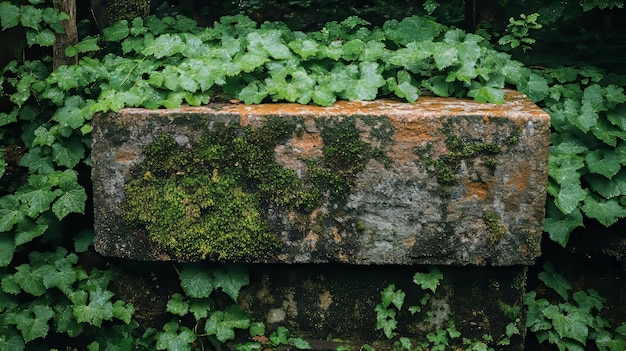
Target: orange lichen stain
479,190
519,179
335,234
125,156
308,145
409,242
311,236
409,134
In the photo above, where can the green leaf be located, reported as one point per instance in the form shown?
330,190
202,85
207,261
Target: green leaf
222,323
257,328
559,226
72,200
606,212
27,230
428,280
572,324
164,45
197,281
85,45
7,248
43,38
173,339
554,280
123,311
9,15
9,212
178,305
569,197
99,308
300,344
604,162
232,280
33,322
201,308
31,17
68,153
38,195
535,87
390,295
116,32
488,92
269,42
280,336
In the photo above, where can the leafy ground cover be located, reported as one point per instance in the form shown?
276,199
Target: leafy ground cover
166,61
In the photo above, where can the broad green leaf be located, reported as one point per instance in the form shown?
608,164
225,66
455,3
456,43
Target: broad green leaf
554,280
604,162
72,200
7,248
43,38
569,197
33,322
85,45
9,15
257,328
116,32
28,229
390,295
270,42
174,339
178,305
535,87
559,226
83,240
428,280
570,323
253,93
300,344
11,342
606,212
589,301
9,212
608,188
200,308
123,311
222,324
38,195
99,308
231,280
68,153
197,281
43,137
165,45
31,17
64,321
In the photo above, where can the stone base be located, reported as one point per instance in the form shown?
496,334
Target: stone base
334,302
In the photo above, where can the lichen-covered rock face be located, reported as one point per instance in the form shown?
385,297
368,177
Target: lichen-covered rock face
440,181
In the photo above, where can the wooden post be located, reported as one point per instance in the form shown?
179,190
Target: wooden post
70,37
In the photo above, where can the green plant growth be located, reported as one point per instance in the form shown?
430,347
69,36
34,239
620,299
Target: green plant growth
210,200
575,321
518,32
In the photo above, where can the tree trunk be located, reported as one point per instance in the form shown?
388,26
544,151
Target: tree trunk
70,37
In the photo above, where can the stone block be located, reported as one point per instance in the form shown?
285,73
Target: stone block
441,181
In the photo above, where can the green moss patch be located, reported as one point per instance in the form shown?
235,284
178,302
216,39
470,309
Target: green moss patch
210,200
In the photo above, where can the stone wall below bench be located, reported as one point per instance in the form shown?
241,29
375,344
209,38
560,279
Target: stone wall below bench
441,181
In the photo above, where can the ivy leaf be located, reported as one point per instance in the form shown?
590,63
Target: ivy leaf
390,295
164,45
123,311
9,212
253,93
27,230
604,162
554,280
535,87
98,309
72,200
68,153
606,212
33,322
571,324
85,45
232,280
178,305
7,248
31,17
569,197
38,195
559,226
197,281
200,308
490,91
301,344
222,324
44,37
428,280
9,15
117,32
28,280
173,339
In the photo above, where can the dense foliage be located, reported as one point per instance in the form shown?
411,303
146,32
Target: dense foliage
166,61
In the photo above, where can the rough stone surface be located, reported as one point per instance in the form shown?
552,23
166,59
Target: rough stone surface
461,183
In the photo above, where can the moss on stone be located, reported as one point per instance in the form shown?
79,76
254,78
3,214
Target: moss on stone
210,200
494,227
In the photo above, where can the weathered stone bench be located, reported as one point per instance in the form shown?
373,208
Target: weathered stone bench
361,184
